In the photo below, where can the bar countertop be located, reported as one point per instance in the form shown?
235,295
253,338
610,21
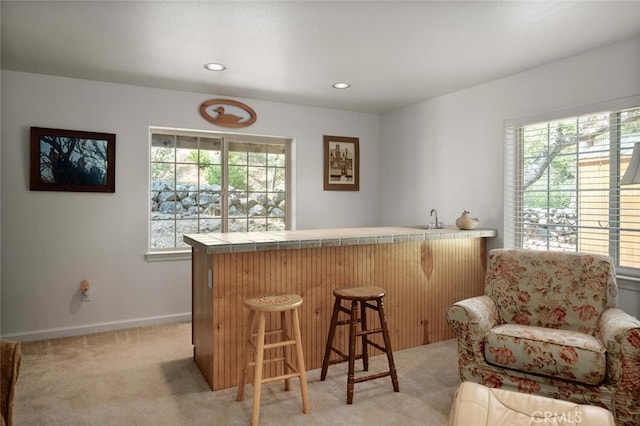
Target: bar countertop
237,242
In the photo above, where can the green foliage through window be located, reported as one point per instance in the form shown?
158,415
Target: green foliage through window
562,185
193,190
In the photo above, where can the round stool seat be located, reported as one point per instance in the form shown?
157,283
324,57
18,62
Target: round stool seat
359,293
273,302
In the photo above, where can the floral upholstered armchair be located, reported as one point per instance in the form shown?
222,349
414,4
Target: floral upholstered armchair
548,324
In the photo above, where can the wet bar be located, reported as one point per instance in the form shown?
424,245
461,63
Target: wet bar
422,270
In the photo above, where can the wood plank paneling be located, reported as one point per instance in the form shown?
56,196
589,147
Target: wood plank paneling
421,279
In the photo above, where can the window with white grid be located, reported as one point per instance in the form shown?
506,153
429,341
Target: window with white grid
208,182
562,185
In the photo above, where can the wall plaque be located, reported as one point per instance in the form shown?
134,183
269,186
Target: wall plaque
228,113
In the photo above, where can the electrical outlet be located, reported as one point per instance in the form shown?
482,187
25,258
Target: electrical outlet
85,291
86,296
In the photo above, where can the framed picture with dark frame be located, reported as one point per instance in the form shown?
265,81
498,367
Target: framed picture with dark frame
72,160
341,163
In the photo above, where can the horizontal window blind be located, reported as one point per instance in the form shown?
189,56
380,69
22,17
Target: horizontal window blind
562,188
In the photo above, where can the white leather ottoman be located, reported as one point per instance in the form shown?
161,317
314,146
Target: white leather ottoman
477,405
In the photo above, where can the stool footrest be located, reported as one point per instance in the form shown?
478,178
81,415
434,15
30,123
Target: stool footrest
367,332
375,345
345,310
283,377
343,359
268,333
266,361
371,377
275,345
280,344
370,306
339,352
347,321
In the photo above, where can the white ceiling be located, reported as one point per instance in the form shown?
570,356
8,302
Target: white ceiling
393,53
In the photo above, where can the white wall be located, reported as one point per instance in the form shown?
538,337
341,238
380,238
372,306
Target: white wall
446,153
51,241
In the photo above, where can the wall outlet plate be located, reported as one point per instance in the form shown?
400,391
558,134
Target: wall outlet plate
85,296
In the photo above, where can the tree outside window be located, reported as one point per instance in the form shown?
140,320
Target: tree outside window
563,189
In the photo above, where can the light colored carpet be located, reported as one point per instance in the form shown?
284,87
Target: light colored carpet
146,376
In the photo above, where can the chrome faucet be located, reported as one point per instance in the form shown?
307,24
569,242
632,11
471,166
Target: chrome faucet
438,225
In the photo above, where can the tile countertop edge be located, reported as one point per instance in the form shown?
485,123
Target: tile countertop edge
281,240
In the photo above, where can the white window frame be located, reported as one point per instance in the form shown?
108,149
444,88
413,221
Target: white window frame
184,253
512,205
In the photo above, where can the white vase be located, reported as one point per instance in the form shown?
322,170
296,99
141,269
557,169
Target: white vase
467,222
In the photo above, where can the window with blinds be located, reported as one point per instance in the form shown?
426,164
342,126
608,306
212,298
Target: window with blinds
206,182
562,188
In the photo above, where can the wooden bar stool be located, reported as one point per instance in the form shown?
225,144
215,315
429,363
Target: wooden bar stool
259,306
362,296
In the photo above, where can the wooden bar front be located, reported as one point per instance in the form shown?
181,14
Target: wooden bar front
421,279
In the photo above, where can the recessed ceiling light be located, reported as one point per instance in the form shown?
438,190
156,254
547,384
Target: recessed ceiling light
341,85
215,67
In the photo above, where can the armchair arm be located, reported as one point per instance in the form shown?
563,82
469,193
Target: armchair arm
470,319
474,317
11,356
619,332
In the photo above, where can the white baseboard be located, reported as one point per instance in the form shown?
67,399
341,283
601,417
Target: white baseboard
54,333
